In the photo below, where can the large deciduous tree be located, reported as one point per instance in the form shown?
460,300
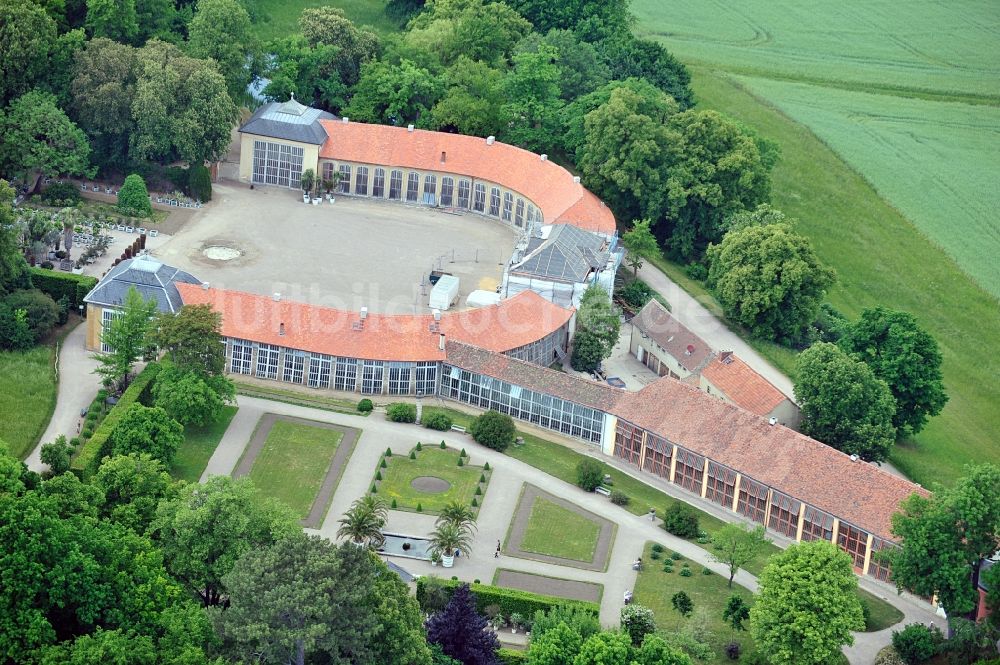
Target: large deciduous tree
352,46
944,538
905,356
472,100
190,397
394,94
477,30
181,108
144,429
104,80
27,38
844,404
38,136
191,339
628,57
132,487
621,141
807,605
13,267
531,112
581,70
221,30
304,598
462,632
714,169
769,280
208,527
640,243
591,20
126,336
114,19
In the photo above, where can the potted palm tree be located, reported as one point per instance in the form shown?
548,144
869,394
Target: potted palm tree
446,538
363,522
307,180
458,513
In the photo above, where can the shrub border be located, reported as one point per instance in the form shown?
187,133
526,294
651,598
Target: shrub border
58,284
92,452
510,601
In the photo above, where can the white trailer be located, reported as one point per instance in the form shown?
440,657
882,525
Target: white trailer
445,293
482,298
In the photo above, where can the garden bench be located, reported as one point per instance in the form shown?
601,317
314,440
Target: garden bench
458,428
602,490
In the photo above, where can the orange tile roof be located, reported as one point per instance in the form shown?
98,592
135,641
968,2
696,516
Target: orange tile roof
513,322
549,185
858,492
742,385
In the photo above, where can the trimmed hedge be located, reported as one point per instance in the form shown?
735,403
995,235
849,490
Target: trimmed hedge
511,656
510,601
401,412
98,447
58,284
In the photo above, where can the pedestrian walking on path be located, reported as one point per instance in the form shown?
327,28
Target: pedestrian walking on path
496,555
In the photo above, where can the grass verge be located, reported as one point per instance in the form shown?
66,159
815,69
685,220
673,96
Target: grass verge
314,401
280,18
199,445
397,478
27,397
654,588
556,531
293,463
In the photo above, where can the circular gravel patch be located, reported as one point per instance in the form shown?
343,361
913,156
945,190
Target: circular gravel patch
430,484
220,253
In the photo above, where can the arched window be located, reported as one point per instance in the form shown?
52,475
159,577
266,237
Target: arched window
345,178
430,189
464,187
412,186
361,183
378,184
447,191
519,213
479,202
495,202
508,206
395,185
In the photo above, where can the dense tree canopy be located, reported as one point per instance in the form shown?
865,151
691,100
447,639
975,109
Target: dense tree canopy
530,114
304,598
27,37
844,404
132,486
472,99
191,397
208,527
807,605
581,70
905,356
221,30
769,280
13,267
394,94
104,80
944,538
628,57
715,169
114,19
38,136
448,29
592,20
144,429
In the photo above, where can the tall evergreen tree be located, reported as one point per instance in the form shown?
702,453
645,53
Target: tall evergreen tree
462,632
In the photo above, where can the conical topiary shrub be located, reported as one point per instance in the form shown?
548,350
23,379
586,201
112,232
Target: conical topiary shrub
374,489
482,477
419,447
420,508
479,490
486,466
474,502
378,475
463,453
461,462
388,452
442,445
383,464
413,454
393,504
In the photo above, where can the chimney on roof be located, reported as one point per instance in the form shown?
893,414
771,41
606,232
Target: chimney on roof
276,297
281,329
544,157
576,179
441,342
443,155
364,313
490,140
437,314
204,286
345,120
726,357
773,421
409,128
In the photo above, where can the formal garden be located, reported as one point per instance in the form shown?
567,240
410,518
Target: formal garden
429,477
297,462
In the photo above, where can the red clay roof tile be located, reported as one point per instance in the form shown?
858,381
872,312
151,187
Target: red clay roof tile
742,385
691,351
548,185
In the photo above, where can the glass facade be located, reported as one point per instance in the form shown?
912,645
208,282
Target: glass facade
628,442
479,200
345,178
658,454
277,164
464,188
372,372
752,502
295,362
817,525
399,378
346,376
543,410
784,514
508,206
721,487
267,361
689,472
430,189
426,378
240,356
319,370
495,202
519,213
447,191
854,541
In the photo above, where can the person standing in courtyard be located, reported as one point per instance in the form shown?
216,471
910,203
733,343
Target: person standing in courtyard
496,555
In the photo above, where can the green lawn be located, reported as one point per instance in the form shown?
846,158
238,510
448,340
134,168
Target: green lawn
709,593
293,463
880,258
280,18
556,531
312,399
798,76
435,462
27,397
199,444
